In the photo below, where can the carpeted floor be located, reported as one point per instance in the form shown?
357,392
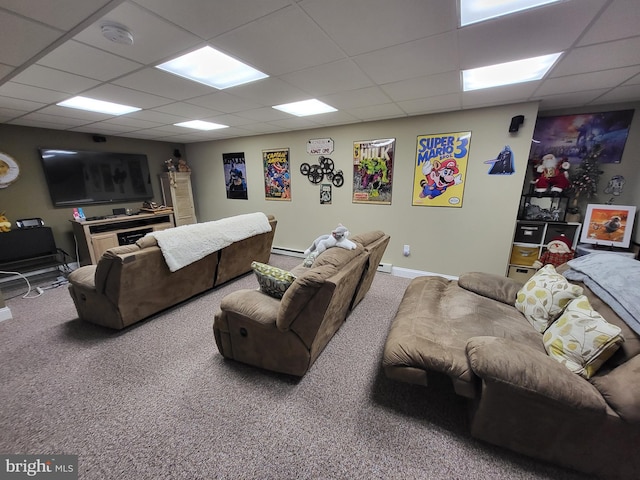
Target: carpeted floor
157,401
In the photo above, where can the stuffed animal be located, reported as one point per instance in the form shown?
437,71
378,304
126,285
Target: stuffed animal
553,174
337,238
5,224
558,251
182,165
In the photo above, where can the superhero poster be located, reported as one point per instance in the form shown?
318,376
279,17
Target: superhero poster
373,171
235,175
440,169
277,174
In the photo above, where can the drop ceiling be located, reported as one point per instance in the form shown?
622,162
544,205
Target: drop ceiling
370,59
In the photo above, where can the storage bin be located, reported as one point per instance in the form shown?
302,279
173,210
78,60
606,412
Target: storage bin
524,255
529,232
521,274
556,229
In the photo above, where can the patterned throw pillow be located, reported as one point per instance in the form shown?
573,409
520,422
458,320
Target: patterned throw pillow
581,339
273,281
544,296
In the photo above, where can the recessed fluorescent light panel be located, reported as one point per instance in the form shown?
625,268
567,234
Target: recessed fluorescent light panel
305,108
93,105
474,11
211,67
200,125
526,70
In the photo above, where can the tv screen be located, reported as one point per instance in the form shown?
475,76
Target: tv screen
80,177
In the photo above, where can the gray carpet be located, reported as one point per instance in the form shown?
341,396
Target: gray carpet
158,401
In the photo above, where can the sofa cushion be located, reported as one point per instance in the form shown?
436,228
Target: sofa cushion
367,238
337,256
621,389
300,293
496,287
581,339
544,296
273,281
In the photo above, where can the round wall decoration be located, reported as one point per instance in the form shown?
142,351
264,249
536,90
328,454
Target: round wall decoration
9,170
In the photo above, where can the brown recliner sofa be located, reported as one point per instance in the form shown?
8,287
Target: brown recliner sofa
519,397
287,335
133,282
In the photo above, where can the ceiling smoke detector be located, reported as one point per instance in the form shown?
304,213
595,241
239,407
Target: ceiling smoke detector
117,34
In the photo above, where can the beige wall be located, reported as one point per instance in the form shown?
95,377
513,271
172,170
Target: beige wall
29,197
442,239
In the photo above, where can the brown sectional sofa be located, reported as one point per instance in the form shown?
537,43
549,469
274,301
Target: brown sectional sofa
287,335
519,397
133,282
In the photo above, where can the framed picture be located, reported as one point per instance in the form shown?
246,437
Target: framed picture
608,225
574,136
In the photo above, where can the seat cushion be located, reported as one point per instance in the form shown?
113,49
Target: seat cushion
437,317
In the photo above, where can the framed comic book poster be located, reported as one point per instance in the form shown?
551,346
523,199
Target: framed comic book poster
277,174
235,175
440,169
574,136
373,171
609,225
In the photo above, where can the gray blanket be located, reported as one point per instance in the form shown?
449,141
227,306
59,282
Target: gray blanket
615,279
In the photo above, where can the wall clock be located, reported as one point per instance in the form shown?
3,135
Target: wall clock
9,170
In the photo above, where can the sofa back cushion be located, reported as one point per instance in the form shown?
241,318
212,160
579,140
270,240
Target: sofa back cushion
300,293
337,256
367,238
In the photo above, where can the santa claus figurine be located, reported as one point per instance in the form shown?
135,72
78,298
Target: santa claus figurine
558,251
553,174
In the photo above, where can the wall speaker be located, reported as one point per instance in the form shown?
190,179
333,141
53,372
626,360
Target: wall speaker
515,123
99,139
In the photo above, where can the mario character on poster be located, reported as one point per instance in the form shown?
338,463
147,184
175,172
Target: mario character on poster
441,166
277,174
373,171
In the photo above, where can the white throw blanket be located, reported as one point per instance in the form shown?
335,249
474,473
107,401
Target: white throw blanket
189,243
615,279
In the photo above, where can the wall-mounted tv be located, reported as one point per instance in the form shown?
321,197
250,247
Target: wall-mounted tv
81,177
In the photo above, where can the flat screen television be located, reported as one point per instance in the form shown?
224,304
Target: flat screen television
81,177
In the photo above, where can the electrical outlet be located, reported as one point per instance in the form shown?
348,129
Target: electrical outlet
406,251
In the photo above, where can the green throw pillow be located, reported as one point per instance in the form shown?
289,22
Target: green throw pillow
581,339
273,281
543,298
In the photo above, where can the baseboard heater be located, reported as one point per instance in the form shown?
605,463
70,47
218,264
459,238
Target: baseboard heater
287,251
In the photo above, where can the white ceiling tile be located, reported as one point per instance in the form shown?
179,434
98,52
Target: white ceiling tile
157,117
63,14
5,70
269,92
154,39
553,102
360,26
129,122
126,96
25,37
207,19
27,92
74,113
20,104
282,42
608,55
587,81
375,112
335,118
81,59
224,102
527,34
619,95
441,103
45,77
54,119
422,57
421,87
265,114
508,94
623,14
332,77
158,82
356,98
186,110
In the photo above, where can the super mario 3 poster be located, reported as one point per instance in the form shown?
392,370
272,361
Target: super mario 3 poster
440,169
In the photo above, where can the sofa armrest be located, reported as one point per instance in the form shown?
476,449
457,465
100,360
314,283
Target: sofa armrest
621,389
496,287
531,372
